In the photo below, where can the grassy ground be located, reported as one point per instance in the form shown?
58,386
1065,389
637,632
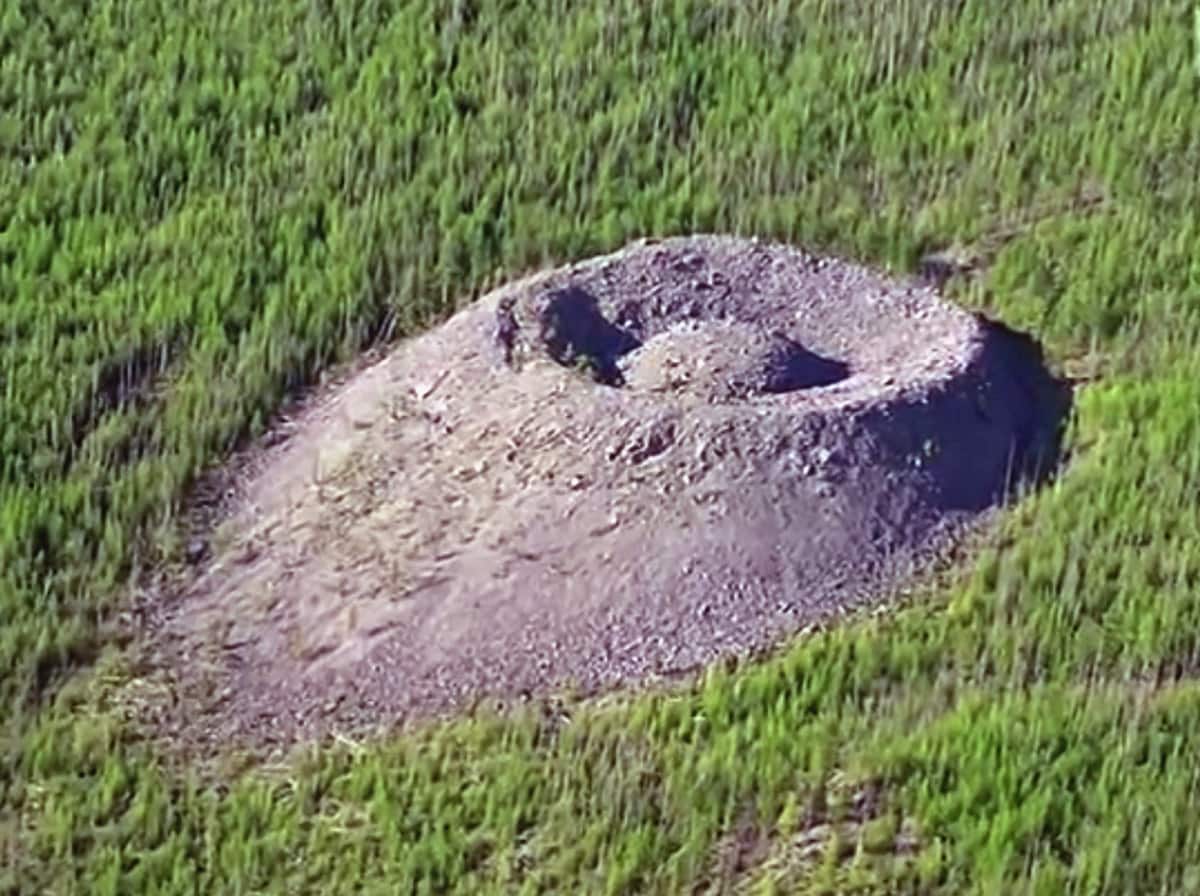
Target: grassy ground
203,204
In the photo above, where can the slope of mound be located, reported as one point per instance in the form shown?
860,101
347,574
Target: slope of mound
621,468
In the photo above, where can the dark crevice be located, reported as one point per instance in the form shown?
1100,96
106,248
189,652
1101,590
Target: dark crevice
790,367
576,334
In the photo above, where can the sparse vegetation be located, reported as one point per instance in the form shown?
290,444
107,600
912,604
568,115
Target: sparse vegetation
203,205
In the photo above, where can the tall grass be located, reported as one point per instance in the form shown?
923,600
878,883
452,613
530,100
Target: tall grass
202,205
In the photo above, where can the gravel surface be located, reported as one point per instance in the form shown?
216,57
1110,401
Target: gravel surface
618,470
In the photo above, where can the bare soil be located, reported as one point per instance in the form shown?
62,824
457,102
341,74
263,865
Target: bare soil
617,470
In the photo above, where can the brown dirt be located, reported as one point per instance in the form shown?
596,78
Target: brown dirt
616,470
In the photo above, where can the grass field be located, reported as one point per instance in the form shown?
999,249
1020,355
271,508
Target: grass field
205,204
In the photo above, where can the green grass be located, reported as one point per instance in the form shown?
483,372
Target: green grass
202,205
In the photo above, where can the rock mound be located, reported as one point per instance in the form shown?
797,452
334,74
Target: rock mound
621,468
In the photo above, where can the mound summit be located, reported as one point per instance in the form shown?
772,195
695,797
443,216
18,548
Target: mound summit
618,469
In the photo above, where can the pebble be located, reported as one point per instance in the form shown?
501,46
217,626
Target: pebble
196,550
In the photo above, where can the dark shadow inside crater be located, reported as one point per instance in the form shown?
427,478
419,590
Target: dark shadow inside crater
790,367
577,334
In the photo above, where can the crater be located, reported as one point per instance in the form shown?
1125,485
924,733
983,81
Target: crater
620,469
714,359
727,360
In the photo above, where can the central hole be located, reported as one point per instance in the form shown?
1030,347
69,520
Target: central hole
720,358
